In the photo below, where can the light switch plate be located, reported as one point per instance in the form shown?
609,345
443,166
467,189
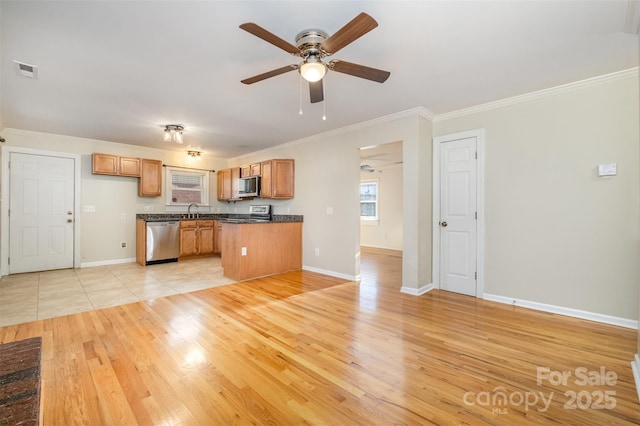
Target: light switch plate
607,169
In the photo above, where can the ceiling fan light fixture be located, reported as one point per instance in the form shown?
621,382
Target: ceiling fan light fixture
313,69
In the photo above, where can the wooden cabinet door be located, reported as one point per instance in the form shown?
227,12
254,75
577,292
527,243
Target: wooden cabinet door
282,182
188,238
277,179
150,184
245,171
217,234
256,170
205,237
129,166
224,185
235,183
265,180
104,164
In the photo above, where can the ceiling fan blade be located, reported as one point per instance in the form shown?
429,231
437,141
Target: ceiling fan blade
269,37
316,91
268,74
361,71
356,28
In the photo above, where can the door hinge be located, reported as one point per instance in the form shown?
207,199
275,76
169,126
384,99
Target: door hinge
476,215
476,275
8,261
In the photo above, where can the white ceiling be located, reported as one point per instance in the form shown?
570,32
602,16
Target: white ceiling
119,70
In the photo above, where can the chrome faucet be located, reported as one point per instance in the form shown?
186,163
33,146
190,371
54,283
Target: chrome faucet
189,210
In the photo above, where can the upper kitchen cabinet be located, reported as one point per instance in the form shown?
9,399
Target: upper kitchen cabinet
149,171
228,184
109,164
277,179
150,184
251,170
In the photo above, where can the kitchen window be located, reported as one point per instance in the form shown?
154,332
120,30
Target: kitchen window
369,200
187,186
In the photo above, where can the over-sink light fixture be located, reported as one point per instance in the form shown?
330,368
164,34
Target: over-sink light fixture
194,155
173,133
313,69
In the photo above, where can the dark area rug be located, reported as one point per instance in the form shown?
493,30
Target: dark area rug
20,382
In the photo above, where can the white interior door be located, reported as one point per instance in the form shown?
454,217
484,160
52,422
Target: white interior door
41,212
458,216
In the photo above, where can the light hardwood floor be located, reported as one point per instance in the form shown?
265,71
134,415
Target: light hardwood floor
303,348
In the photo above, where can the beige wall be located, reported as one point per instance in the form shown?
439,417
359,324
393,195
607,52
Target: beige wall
556,233
387,231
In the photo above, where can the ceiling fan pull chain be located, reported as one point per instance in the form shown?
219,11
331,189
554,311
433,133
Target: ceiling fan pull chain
324,102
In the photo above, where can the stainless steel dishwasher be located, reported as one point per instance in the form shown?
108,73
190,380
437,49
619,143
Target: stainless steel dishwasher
163,241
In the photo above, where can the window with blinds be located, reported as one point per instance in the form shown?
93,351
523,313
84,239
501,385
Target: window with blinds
369,200
187,186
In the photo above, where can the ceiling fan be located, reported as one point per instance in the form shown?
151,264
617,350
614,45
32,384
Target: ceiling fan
313,46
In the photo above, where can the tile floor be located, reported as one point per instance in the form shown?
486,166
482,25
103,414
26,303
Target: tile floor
41,295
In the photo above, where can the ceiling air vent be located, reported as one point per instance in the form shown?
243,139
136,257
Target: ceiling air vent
26,70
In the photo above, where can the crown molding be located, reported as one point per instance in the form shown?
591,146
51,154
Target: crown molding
413,112
589,82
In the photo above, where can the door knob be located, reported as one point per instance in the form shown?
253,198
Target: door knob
443,224
69,212
69,220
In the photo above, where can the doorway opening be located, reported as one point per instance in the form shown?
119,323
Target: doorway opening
381,211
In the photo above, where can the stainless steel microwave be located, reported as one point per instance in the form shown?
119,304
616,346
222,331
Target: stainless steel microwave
249,186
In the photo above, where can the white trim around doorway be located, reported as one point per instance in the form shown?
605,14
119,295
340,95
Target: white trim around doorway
4,208
479,135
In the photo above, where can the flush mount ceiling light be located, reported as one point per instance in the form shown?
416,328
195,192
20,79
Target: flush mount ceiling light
173,133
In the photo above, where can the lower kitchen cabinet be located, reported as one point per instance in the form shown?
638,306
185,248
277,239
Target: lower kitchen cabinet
196,238
251,250
217,236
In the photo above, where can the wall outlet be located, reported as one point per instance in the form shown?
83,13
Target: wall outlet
329,210
123,216
89,209
244,251
148,208
317,252
123,244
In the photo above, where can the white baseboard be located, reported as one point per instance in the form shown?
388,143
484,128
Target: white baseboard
381,247
417,291
330,273
635,367
576,313
107,262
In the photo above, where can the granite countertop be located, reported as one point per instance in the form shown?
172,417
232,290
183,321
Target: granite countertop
227,217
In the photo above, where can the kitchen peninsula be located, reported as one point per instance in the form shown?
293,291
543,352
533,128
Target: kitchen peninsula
248,248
